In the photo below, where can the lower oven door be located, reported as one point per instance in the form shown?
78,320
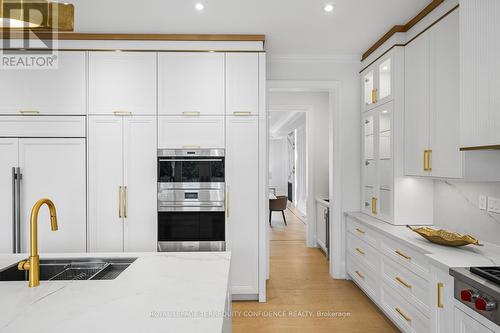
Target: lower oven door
191,231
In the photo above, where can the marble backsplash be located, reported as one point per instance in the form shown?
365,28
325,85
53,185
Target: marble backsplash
456,207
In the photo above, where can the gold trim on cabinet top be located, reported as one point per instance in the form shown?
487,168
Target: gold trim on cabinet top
36,15
489,147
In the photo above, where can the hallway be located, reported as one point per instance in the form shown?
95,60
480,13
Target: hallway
300,286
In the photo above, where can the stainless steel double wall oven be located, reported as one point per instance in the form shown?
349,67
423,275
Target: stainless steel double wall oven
191,200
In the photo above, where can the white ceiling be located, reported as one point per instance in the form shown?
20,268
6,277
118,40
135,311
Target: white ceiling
291,26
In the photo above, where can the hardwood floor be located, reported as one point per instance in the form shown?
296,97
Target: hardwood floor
300,286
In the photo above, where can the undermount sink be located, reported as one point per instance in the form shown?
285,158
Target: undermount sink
72,269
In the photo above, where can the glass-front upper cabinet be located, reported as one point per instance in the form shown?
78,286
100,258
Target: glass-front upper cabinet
377,82
377,166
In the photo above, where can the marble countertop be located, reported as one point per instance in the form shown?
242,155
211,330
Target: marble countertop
441,256
159,292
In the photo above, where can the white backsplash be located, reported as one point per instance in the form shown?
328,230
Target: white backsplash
456,207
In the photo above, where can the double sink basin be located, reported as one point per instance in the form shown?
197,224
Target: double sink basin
72,269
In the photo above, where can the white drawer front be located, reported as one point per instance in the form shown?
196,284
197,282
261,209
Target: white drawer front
191,132
363,233
364,252
411,286
42,126
407,257
364,277
404,314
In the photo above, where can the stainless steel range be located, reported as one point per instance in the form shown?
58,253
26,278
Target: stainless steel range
479,289
191,200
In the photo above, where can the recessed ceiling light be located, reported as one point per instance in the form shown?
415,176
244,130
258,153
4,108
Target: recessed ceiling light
385,68
329,8
199,6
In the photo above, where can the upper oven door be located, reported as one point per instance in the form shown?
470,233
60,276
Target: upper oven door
183,166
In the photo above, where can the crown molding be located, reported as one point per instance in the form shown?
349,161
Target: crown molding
314,58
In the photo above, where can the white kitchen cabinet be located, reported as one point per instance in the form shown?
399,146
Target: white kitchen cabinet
56,169
432,121
191,131
242,211
442,300
58,91
321,220
242,83
479,73
191,83
122,183
466,324
122,82
9,153
51,168
377,83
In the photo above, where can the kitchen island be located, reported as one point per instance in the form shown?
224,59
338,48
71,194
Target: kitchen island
158,292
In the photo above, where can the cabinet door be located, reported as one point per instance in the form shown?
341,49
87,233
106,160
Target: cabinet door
105,181
242,223
416,105
51,91
140,211
369,168
9,159
385,161
191,83
122,82
445,157
368,87
384,87
191,132
54,169
466,324
321,225
442,301
242,83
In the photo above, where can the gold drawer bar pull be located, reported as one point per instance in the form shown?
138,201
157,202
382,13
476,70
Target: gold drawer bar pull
398,310
404,283
29,112
191,113
242,113
360,231
425,160
360,251
122,113
400,253
440,286
429,160
360,274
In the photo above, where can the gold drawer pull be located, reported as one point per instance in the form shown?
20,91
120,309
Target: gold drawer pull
29,112
425,160
440,286
374,205
360,274
398,310
404,283
360,231
122,113
242,113
191,113
374,96
429,160
400,253
360,251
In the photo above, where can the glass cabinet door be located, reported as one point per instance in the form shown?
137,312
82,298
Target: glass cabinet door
369,162
369,88
384,79
385,161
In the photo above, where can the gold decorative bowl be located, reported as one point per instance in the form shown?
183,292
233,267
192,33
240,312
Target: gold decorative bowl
445,237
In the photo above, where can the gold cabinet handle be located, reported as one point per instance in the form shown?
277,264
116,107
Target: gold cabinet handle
402,314
425,160
191,113
242,113
122,113
404,283
440,286
125,201
429,160
29,112
374,205
360,231
360,274
360,251
374,95
120,202
401,253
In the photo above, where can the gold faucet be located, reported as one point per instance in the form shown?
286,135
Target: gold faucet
33,264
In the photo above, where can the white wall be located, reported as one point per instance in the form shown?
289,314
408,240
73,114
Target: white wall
278,165
456,207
